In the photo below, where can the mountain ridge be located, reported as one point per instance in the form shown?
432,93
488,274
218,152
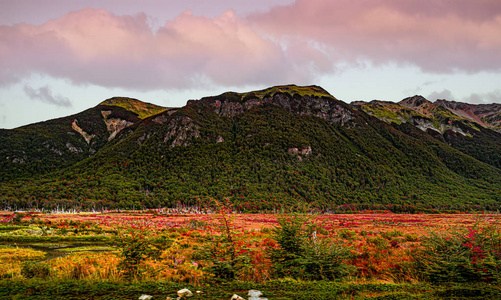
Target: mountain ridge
266,149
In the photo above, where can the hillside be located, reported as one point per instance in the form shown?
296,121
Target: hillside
470,128
279,147
46,146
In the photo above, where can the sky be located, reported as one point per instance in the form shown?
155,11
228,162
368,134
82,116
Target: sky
60,57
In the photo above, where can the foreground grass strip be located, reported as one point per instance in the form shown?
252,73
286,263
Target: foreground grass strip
276,290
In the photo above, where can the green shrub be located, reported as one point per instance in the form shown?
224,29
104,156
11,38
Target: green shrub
32,269
135,245
391,234
347,234
227,257
300,254
411,237
469,255
379,242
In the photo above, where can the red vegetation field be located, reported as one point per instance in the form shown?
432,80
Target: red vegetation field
381,243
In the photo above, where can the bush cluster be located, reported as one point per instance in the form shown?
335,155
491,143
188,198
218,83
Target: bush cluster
302,254
468,255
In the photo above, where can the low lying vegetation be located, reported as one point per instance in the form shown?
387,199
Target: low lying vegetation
290,256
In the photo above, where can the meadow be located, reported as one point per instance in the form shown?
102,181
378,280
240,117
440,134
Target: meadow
122,255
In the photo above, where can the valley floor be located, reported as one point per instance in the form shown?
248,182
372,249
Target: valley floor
91,255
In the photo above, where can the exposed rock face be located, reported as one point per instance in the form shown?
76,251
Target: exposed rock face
52,148
255,295
164,116
322,107
181,129
160,119
303,152
426,124
72,148
228,108
85,135
114,125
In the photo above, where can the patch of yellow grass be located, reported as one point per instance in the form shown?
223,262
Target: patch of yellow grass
12,258
86,266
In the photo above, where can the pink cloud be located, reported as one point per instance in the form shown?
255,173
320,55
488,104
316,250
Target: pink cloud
292,43
97,47
437,36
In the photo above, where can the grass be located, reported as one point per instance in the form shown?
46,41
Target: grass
88,248
275,289
143,109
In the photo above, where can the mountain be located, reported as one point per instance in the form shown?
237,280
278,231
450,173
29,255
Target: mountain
46,146
279,147
487,115
470,128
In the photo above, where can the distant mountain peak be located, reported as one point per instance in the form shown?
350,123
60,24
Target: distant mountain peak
414,101
142,109
291,89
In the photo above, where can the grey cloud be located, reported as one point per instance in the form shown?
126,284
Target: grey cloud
444,94
44,94
491,97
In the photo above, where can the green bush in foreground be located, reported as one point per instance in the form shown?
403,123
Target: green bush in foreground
300,254
35,269
469,255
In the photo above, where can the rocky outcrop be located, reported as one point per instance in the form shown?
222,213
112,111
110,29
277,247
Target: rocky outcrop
160,119
114,125
426,124
414,101
324,107
306,151
180,130
73,148
85,135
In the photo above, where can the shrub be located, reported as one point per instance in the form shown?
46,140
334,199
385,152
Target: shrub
135,246
469,255
391,234
379,242
301,254
347,234
224,252
31,269
18,217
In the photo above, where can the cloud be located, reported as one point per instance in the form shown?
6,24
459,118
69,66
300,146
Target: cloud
444,94
96,47
478,98
491,97
44,94
437,36
289,44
